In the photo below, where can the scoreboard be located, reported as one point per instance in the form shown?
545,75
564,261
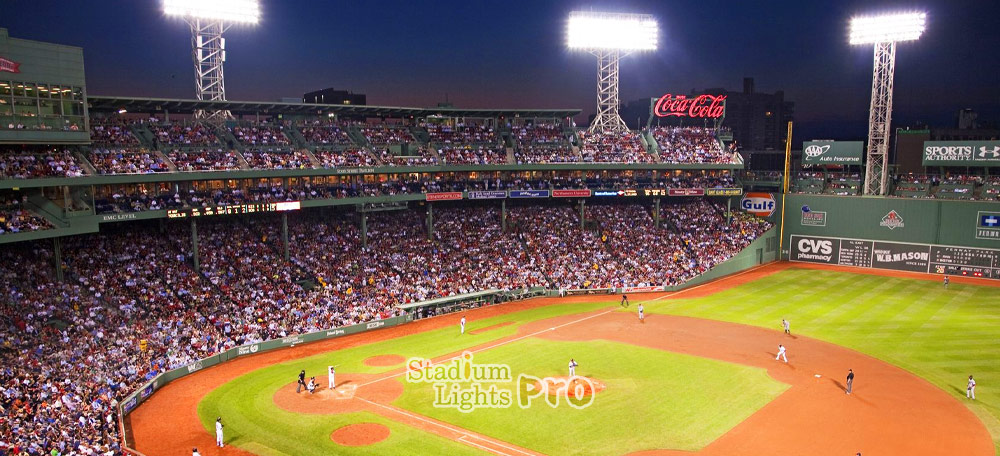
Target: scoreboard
234,209
899,256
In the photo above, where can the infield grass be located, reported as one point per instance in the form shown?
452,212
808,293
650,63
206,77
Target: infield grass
942,335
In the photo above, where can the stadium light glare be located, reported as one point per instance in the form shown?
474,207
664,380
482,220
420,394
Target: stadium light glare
887,28
235,11
611,31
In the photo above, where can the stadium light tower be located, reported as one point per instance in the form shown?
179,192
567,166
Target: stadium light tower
609,36
883,32
209,19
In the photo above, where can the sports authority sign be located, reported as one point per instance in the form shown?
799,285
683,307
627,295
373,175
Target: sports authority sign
759,204
892,220
962,153
9,66
699,106
897,256
832,152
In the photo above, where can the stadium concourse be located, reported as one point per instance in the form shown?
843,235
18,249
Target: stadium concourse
69,349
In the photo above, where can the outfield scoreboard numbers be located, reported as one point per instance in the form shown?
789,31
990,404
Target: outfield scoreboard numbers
898,256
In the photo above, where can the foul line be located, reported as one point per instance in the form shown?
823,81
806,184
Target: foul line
494,345
463,432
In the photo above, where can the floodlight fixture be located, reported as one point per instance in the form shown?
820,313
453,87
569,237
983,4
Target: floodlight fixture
883,32
609,36
887,28
208,20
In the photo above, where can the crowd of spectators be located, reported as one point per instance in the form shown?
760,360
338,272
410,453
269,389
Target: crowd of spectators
472,155
320,134
14,218
183,135
261,135
126,161
204,159
613,148
388,158
543,154
347,157
461,133
276,158
690,145
29,163
110,133
547,134
383,134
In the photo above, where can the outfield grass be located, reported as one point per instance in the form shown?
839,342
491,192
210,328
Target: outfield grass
254,423
650,402
942,335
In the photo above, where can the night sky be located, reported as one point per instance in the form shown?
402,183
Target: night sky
512,54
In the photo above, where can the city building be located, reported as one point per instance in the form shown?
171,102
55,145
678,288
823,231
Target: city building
334,96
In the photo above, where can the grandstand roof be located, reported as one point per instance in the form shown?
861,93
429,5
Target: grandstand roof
181,106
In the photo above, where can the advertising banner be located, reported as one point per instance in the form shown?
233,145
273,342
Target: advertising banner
832,152
962,153
988,225
900,257
581,193
685,192
529,193
444,196
723,191
759,204
487,194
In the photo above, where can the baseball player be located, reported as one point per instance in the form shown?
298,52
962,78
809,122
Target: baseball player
332,371
642,318
781,353
463,325
572,367
218,432
788,326
624,300
850,380
194,452
946,280
312,385
970,391
302,381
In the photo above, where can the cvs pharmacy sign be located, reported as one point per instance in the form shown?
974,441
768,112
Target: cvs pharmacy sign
759,204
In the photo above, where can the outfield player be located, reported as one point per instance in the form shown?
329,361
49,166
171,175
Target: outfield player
624,300
462,331
331,376
572,367
946,280
641,317
781,353
970,391
218,432
788,326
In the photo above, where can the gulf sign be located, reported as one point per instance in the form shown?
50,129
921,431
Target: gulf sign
759,204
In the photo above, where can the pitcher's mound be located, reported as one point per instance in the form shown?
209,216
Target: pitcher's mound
564,386
360,434
384,360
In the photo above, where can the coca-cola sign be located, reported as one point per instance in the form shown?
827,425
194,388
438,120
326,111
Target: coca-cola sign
9,65
703,106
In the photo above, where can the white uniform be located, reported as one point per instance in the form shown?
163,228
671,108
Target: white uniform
463,326
781,353
787,326
970,391
640,312
331,375
572,368
218,433
312,386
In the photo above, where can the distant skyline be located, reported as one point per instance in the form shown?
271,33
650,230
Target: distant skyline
482,54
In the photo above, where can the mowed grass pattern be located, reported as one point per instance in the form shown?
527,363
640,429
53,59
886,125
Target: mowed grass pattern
942,335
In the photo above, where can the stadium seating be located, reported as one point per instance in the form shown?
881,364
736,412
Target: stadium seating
613,148
35,162
690,145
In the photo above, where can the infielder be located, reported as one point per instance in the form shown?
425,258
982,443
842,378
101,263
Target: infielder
462,331
970,391
218,432
572,367
624,300
781,353
194,452
788,326
850,380
331,377
641,317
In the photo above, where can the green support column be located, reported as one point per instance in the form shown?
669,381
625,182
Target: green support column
194,246
364,229
503,215
57,254
583,220
729,209
430,221
656,214
284,233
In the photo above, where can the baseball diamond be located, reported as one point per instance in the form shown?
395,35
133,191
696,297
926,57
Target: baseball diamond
407,265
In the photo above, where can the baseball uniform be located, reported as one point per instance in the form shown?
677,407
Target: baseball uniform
641,317
331,376
970,391
850,380
781,353
787,326
572,368
218,433
463,326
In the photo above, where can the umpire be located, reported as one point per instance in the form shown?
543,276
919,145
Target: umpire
302,381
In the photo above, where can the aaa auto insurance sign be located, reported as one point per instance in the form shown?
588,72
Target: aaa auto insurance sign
757,203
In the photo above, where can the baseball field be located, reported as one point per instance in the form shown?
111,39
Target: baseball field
699,375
